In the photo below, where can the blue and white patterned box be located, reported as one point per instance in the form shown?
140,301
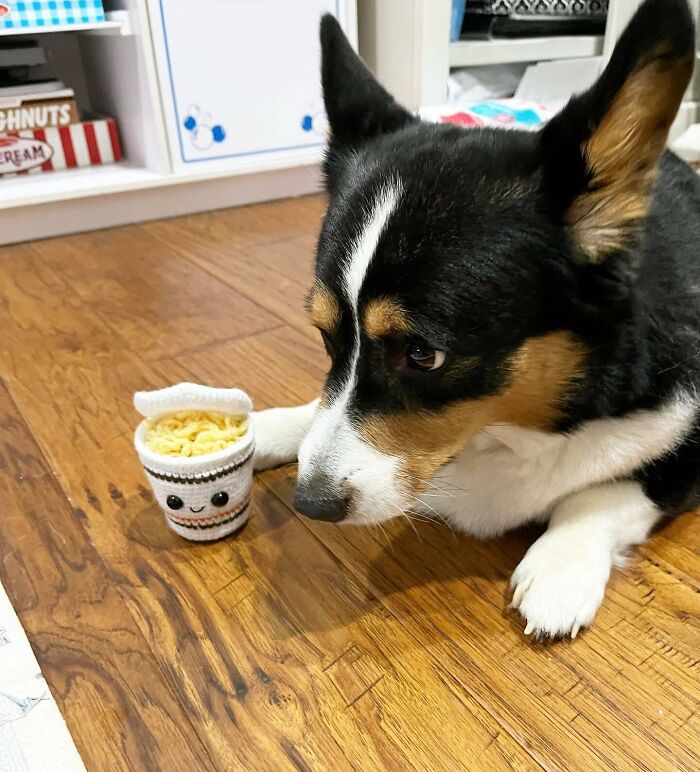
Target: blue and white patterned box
18,14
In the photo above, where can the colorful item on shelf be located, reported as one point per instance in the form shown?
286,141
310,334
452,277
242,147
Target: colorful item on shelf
90,143
457,19
502,113
21,113
49,13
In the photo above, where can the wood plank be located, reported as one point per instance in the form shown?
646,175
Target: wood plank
246,226
350,646
484,575
215,658
213,650
275,275
294,645
113,696
593,703
180,307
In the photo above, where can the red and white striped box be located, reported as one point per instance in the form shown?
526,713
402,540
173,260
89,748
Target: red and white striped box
33,151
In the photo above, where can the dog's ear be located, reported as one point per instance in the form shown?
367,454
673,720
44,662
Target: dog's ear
600,154
357,106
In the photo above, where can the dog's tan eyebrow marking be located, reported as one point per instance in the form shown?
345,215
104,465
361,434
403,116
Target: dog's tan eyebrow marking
323,307
383,317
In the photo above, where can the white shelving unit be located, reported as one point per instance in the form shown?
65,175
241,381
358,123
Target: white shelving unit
467,53
121,69
407,46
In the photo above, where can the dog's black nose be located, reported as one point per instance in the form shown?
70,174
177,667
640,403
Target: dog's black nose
316,500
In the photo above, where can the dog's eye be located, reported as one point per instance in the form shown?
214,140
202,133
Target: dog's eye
424,358
328,343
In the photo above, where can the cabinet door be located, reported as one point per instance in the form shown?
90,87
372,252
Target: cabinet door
240,80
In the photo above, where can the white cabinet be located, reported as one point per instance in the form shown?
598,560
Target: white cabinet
218,103
240,80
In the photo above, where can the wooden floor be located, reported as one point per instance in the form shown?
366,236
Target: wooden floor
295,645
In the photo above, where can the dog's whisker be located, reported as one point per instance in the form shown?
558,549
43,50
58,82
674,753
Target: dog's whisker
442,491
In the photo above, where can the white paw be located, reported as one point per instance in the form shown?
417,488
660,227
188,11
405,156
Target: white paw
278,434
559,584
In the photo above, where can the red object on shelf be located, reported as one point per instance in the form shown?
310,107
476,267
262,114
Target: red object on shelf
90,143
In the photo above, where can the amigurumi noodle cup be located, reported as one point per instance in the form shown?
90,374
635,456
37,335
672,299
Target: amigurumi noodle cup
203,497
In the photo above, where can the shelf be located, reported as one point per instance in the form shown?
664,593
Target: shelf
117,24
48,187
468,53
99,26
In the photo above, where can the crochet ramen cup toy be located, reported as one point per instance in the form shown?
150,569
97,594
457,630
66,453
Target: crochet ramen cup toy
196,446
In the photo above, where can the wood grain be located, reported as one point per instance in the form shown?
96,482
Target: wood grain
92,654
295,645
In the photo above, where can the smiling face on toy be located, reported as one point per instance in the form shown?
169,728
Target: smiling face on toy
175,503
204,502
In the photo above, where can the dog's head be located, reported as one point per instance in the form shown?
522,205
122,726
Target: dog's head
461,274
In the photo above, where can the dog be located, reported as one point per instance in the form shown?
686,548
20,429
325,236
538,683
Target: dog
512,318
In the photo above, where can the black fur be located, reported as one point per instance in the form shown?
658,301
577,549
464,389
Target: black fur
479,255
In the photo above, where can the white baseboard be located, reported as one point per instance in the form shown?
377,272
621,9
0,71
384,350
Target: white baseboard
57,218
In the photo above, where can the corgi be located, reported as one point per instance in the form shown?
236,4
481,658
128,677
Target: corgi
512,320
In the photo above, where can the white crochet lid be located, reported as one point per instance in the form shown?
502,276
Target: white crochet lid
192,396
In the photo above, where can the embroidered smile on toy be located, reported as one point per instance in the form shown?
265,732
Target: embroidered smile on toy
196,447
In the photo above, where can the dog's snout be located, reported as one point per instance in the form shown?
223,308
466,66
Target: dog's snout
318,499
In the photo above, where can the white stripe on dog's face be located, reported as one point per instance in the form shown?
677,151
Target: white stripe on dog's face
332,447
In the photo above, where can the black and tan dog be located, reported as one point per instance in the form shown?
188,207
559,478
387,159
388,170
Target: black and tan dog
514,317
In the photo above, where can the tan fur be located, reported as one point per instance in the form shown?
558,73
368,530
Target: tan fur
460,367
542,372
324,308
383,317
623,152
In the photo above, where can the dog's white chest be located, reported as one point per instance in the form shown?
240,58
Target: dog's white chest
495,485
508,476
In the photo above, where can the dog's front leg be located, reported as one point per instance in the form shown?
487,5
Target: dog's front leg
279,432
559,584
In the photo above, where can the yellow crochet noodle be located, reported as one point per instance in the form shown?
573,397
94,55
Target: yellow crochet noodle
193,432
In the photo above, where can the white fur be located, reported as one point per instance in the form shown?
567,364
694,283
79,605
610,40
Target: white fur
362,252
333,447
559,584
279,432
507,476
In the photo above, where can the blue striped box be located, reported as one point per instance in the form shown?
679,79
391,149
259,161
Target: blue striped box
30,14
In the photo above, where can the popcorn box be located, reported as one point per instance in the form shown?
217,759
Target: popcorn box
16,14
32,151
202,497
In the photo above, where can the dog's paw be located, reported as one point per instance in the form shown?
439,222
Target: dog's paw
559,585
278,434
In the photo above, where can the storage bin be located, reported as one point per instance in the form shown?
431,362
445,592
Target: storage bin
90,143
49,13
